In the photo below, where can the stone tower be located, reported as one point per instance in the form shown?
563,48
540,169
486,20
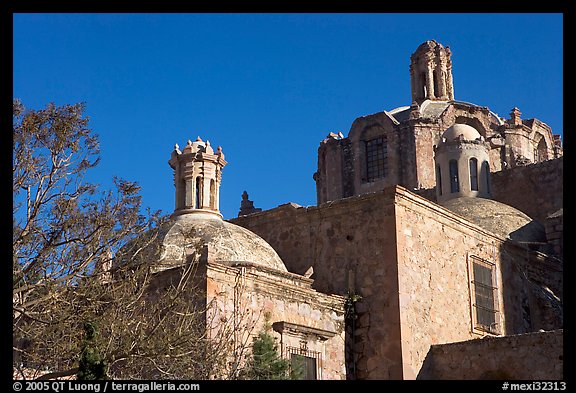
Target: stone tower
431,73
197,178
462,164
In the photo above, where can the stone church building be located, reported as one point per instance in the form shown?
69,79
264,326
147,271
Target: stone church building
240,279
445,222
434,251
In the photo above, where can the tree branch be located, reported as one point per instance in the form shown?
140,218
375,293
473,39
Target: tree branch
58,374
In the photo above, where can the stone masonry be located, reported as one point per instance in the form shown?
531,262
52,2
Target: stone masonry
408,260
528,357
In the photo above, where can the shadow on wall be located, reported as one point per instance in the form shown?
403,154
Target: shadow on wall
534,356
532,279
432,371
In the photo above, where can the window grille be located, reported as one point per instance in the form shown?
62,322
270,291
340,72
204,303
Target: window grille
485,296
310,361
376,157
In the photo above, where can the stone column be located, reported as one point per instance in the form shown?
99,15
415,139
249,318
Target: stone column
206,189
515,116
449,84
441,82
189,200
413,83
430,93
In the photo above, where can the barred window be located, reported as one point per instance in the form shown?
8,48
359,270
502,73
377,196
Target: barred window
484,295
306,366
305,361
376,157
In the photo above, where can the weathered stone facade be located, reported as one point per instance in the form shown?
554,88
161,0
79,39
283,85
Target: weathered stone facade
408,259
304,321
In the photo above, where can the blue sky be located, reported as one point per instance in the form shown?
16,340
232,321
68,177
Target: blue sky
267,87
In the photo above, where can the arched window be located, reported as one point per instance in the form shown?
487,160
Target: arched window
198,193
454,183
541,151
439,179
423,84
473,174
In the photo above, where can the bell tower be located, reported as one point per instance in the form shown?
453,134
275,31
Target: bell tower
197,178
431,73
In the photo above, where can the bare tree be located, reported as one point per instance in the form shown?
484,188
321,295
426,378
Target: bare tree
152,324
86,256
62,225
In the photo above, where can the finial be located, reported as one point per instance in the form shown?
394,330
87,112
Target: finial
207,142
515,116
189,142
198,139
176,147
219,149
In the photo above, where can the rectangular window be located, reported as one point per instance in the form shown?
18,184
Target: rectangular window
473,174
305,363
485,171
376,157
305,366
454,182
484,296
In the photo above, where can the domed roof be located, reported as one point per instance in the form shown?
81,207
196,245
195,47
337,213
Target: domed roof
428,45
198,146
469,133
434,109
227,243
498,218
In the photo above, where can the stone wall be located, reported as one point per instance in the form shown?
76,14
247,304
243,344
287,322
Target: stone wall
350,244
434,250
529,357
535,189
408,259
555,231
244,300
370,245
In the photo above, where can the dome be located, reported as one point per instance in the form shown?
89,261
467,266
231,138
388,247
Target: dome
469,133
428,45
198,146
228,243
498,218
